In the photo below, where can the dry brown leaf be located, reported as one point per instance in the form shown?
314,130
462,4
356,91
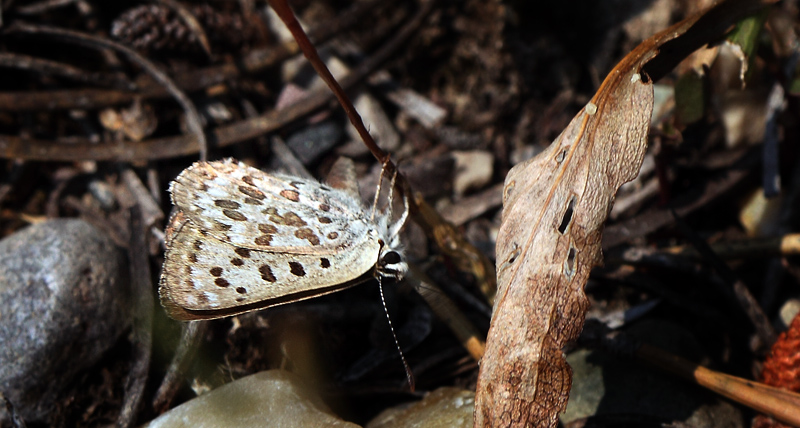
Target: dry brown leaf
555,206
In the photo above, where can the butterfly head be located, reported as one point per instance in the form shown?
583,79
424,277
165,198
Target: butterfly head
392,257
392,264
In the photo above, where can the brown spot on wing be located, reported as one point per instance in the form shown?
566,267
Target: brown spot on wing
325,263
241,290
292,219
333,235
222,282
307,234
273,215
267,229
292,195
243,252
325,220
252,192
234,215
263,240
198,245
249,180
266,273
288,219
226,203
297,269
215,271
237,261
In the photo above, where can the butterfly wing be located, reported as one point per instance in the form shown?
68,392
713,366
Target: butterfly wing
248,208
204,277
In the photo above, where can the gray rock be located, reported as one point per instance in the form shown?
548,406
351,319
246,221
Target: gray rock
62,304
273,398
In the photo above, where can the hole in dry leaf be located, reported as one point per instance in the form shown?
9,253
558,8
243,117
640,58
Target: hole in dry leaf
509,189
561,156
570,264
567,219
514,255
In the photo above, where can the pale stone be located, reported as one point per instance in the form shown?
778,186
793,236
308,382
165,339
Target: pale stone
272,398
474,170
443,408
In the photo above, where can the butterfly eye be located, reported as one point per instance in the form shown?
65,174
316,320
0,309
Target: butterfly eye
391,258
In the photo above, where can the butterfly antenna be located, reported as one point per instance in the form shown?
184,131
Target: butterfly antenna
378,192
409,375
390,198
402,220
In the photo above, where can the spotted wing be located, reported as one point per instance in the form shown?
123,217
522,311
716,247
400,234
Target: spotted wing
204,277
249,208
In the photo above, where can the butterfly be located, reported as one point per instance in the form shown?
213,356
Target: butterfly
241,239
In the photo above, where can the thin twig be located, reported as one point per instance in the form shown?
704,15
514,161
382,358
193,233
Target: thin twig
748,303
193,332
43,7
284,11
60,69
470,338
658,217
254,62
192,116
12,147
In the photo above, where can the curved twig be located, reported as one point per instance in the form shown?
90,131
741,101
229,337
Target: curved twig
192,116
12,147
253,62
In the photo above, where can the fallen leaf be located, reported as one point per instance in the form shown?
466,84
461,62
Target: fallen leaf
554,209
